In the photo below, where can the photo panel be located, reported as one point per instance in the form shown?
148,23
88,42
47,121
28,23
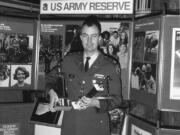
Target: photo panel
21,76
50,52
114,41
16,48
151,46
144,77
72,39
138,46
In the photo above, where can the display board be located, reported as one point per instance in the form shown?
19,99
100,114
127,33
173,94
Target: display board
170,79
17,53
145,61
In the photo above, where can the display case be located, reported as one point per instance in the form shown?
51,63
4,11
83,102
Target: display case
154,94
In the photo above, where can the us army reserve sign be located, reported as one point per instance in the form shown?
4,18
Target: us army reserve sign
86,7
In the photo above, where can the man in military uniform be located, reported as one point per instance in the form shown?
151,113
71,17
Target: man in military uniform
91,115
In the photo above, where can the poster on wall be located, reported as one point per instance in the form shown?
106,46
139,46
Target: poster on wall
50,50
175,64
16,48
114,41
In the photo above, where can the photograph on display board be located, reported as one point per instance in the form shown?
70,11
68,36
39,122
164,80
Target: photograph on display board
144,77
21,76
50,52
138,46
151,46
114,41
72,40
4,75
175,64
16,48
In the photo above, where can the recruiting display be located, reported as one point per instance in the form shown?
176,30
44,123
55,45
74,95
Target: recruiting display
86,7
17,53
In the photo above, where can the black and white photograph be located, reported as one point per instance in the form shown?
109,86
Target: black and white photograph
50,52
151,46
89,67
114,41
21,76
144,77
16,47
72,40
138,46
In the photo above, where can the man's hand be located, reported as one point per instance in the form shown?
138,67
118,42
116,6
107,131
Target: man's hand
53,100
90,102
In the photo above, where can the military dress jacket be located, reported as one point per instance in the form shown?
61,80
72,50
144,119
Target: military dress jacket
92,121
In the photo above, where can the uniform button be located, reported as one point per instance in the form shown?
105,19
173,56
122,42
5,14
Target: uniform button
101,121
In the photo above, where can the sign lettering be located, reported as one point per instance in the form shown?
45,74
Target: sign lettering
86,7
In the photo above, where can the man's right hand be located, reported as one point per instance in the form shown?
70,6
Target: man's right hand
53,100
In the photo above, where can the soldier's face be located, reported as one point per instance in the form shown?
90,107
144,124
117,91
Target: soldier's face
90,38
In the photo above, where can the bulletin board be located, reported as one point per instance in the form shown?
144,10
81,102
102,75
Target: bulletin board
169,98
144,63
17,53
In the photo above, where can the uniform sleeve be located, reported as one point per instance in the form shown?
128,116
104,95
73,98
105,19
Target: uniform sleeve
115,91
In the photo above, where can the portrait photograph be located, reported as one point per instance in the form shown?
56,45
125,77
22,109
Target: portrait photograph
21,76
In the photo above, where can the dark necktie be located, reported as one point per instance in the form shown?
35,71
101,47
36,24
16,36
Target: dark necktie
86,66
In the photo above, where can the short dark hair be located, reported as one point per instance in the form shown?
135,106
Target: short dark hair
90,21
26,73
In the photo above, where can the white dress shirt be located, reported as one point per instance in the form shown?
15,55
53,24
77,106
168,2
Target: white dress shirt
91,60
